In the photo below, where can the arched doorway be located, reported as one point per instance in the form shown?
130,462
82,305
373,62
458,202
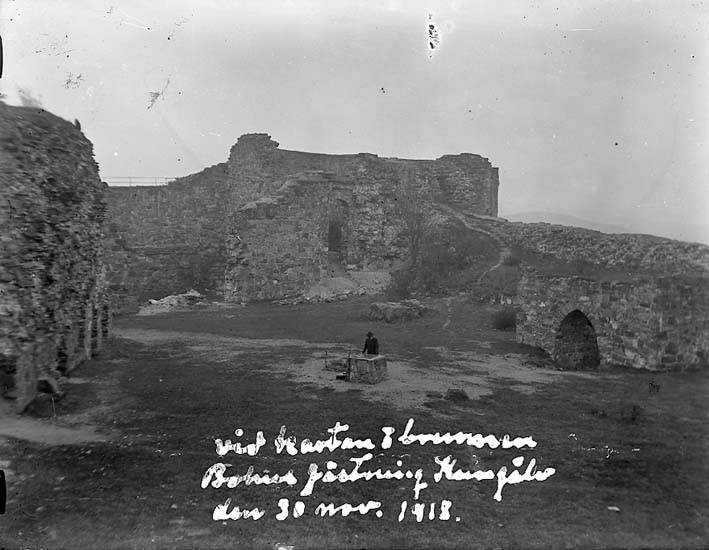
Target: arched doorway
576,345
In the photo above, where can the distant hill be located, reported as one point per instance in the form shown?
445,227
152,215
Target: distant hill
672,230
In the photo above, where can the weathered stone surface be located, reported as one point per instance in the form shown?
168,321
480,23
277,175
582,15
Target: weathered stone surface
622,253
52,278
367,369
657,323
393,312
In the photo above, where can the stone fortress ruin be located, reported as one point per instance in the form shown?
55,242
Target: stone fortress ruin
270,223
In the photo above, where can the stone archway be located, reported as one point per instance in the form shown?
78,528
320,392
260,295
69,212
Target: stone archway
576,344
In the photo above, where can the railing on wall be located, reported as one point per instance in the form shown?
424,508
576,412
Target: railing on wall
131,181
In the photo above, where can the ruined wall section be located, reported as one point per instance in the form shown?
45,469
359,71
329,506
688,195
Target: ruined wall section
53,298
466,181
629,252
375,232
682,308
172,238
259,154
279,244
659,324
164,240
274,251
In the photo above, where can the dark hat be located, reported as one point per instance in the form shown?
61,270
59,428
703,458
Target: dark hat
370,334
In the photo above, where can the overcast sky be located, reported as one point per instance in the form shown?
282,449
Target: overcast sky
594,109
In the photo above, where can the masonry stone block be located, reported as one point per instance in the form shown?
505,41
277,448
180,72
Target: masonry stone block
367,369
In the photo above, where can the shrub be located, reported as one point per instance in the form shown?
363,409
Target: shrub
401,285
511,260
498,282
504,319
449,257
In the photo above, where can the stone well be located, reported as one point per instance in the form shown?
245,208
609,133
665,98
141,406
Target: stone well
364,369
367,369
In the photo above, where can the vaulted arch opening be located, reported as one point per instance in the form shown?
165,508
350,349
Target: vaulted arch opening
576,344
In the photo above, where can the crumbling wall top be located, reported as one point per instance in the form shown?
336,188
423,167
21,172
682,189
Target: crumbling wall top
250,144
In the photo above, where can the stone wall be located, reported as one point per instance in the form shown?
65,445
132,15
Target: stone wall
198,232
162,240
620,252
311,228
53,303
653,323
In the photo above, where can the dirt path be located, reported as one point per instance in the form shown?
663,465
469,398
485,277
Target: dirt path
49,432
466,220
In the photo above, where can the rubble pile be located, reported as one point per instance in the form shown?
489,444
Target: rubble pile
393,312
174,301
333,289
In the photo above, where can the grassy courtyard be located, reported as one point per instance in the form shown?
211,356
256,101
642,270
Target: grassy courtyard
628,448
